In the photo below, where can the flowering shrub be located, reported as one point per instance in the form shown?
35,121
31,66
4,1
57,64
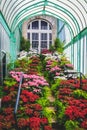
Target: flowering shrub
46,51
34,123
70,66
27,96
47,127
33,111
6,99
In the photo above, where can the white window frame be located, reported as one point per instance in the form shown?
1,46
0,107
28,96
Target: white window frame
48,31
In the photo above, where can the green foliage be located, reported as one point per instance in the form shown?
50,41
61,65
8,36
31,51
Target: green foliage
55,86
43,62
55,63
44,102
49,113
80,94
64,60
16,64
71,125
9,82
58,45
24,44
52,48
10,66
60,112
1,92
46,91
39,69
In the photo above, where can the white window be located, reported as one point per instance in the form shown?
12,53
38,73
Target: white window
39,32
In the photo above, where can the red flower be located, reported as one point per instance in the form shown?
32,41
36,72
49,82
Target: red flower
44,120
22,122
29,111
8,110
84,124
6,99
36,114
35,123
37,107
47,127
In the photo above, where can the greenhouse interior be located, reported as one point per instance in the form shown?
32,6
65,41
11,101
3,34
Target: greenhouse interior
43,64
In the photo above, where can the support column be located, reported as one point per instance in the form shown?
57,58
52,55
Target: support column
79,54
12,48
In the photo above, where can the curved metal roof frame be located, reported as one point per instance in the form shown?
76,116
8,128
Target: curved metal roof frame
73,13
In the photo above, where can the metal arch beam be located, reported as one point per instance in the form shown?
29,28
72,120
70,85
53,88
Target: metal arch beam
68,14
4,24
49,14
37,14
25,10
44,1
72,17
19,5
75,12
79,9
12,11
74,9
57,3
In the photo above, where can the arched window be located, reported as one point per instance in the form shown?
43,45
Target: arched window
39,32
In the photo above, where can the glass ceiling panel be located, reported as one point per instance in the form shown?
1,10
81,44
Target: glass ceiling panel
65,17
73,12
71,8
35,13
21,11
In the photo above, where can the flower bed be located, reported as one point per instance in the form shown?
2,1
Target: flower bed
38,82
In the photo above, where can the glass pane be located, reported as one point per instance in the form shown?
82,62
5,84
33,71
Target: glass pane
43,36
50,43
29,26
35,25
28,36
34,36
34,44
43,25
50,36
43,44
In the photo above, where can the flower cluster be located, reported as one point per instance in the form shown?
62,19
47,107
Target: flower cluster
27,96
77,110
65,91
33,65
46,51
6,99
70,66
73,84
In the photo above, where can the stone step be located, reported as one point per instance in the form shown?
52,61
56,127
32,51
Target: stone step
51,98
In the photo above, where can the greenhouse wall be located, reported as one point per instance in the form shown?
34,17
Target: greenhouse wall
4,42
78,54
9,41
17,37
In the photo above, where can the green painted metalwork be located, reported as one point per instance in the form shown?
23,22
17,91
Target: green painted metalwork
4,24
26,9
23,12
78,53
82,34
56,6
12,48
77,40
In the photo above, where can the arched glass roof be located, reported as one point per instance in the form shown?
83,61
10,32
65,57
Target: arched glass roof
72,12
